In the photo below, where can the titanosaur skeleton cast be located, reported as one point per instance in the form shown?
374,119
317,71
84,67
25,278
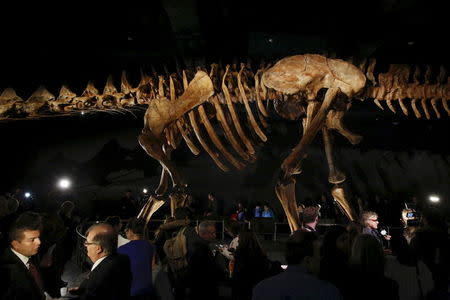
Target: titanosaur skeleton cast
310,88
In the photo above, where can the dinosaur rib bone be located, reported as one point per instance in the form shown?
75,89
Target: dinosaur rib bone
415,109
403,107
261,107
252,120
234,116
187,139
203,142
227,130
391,107
425,108
215,139
434,105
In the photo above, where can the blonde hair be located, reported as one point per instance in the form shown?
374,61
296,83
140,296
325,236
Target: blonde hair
366,215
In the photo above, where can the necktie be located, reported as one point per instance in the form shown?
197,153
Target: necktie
35,274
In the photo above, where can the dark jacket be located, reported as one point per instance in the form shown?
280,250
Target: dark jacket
204,273
16,282
110,280
248,271
374,233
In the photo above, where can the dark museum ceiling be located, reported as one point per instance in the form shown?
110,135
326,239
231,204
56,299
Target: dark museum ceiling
44,44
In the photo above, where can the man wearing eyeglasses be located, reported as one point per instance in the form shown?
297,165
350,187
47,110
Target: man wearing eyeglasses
110,276
204,273
369,220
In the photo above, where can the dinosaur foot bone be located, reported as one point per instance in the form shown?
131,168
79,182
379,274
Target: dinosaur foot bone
285,190
149,208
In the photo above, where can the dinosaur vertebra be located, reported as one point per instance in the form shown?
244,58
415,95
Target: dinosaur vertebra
310,88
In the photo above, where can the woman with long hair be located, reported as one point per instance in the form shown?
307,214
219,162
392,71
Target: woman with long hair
251,265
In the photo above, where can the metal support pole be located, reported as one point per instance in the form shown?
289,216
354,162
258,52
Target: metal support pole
388,242
223,229
275,232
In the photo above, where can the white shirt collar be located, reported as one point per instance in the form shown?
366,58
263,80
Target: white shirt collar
98,262
121,241
22,257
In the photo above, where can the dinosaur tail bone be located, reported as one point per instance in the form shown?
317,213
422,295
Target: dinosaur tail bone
395,86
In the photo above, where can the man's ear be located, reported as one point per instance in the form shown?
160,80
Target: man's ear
99,249
14,244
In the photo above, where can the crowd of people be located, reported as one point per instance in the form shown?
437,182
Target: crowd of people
185,260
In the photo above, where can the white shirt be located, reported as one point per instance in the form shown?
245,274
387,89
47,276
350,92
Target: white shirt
233,244
22,257
121,241
406,277
98,262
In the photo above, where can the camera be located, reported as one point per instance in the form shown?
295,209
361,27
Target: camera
412,214
410,217
414,222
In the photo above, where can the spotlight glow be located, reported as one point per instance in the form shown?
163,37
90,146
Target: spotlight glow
144,191
27,195
64,183
434,199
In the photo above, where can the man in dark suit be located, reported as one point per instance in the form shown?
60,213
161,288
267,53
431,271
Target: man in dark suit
204,273
299,280
19,274
110,276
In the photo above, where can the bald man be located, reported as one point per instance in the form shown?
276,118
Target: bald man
110,276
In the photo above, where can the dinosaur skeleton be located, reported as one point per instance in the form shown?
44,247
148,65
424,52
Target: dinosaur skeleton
311,88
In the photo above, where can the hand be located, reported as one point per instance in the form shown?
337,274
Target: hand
387,237
73,290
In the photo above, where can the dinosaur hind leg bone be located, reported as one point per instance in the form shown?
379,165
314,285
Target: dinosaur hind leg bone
336,177
155,149
152,205
285,191
285,188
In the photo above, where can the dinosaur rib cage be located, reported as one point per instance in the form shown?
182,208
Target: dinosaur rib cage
232,86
